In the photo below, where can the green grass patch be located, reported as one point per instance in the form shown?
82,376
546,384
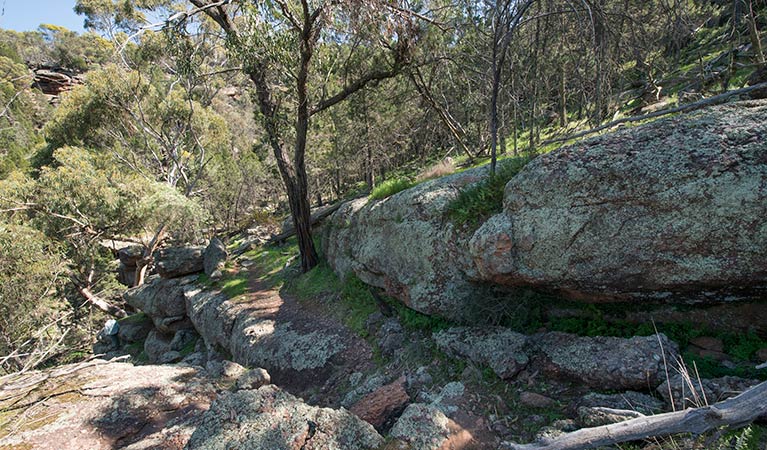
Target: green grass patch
413,320
188,349
358,304
270,261
477,203
318,281
390,187
234,286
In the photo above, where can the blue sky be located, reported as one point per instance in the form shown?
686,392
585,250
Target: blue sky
27,15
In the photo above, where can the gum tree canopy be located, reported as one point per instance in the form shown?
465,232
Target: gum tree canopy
304,57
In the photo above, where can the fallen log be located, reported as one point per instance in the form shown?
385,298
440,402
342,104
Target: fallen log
316,217
733,413
710,101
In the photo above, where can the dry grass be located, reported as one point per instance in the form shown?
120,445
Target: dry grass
442,168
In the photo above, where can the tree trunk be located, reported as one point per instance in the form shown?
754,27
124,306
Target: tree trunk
494,115
299,200
754,32
100,303
731,413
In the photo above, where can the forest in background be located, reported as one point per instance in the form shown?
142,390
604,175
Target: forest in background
229,114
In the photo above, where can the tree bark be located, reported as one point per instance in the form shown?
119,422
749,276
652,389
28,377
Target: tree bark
736,412
100,303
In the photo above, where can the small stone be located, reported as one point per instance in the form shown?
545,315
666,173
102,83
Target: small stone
761,354
391,337
253,379
535,400
232,370
422,426
499,348
174,262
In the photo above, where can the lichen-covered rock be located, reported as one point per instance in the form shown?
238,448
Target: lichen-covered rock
688,393
629,400
604,362
259,340
253,379
499,348
212,314
214,257
99,405
671,210
271,419
601,409
163,301
156,345
422,426
424,265
174,262
135,328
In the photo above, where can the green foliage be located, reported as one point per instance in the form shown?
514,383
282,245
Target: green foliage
751,437
480,201
358,304
31,274
413,320
390,187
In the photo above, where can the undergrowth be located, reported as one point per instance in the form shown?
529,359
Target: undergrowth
353,300
477,203
390,187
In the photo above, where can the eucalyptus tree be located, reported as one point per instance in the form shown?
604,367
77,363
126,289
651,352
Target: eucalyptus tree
277,43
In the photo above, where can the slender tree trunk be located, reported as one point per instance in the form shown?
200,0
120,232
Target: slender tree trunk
146,259
369,176
494,115
754,32
516,127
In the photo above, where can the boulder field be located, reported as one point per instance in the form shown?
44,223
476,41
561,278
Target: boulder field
671,211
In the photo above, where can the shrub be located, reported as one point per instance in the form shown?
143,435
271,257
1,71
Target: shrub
477,203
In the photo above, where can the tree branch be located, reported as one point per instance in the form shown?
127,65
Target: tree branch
376,75
715,100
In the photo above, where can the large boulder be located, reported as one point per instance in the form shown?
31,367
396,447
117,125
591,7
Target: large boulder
102,405
163,301
214,258
271,419
605,362
673,209
424,264
499,348
174,262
